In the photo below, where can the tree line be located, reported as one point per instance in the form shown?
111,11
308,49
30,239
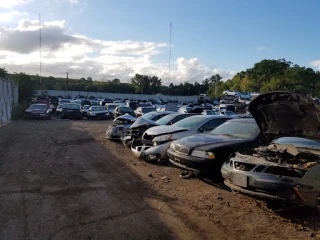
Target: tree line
266,75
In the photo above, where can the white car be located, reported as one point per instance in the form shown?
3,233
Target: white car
231,92
98,112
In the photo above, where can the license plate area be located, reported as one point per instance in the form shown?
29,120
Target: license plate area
239,179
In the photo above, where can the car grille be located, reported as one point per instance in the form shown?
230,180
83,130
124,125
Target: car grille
180,148
101,114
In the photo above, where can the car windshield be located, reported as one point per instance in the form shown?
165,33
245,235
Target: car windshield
299,142
112,107
147,110
211,112
126,109
229,113
98,109
71,106
86,107
190,123
150,115
37,107
240,129
166,119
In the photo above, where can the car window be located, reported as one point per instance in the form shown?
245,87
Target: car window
241,129
209,126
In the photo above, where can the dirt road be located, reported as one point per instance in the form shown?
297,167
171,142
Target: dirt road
64,180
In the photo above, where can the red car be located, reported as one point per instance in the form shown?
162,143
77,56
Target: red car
38,111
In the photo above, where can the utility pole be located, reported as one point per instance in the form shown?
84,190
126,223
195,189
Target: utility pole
169,58
40,51
67,83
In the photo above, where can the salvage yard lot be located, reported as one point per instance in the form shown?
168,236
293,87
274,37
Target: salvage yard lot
62,179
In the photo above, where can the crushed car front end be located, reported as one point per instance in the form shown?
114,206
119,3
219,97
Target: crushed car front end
251,175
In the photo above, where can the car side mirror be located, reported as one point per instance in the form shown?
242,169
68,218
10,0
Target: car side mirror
201,129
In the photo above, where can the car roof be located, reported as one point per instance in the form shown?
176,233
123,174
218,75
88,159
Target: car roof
246,119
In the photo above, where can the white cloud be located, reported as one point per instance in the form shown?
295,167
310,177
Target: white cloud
10,16
73,1
10,4
315,64
260,49
64,51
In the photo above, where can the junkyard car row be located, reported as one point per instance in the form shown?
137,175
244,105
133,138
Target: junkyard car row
273,151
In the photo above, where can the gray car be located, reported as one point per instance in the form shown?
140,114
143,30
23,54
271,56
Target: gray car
157,140
288,168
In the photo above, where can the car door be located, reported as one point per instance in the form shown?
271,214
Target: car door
212,124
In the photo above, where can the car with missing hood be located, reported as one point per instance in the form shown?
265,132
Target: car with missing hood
98,112
141,125
121,125
157,140
287,168
205,153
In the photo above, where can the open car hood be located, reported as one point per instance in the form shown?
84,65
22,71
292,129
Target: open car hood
141,121
125,117
280,114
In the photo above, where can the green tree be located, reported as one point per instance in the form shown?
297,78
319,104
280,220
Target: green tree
26,87
3,73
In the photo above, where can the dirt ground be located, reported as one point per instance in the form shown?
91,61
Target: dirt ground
62,179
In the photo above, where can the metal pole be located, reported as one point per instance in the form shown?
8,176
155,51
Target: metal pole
40,49
170,55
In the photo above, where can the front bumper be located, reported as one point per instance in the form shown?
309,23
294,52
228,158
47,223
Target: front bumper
37,116
194,164
264,185
115,133
154,153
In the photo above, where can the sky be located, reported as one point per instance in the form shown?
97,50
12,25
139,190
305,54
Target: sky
107,39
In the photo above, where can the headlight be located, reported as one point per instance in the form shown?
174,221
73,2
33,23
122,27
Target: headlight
163,138
203,154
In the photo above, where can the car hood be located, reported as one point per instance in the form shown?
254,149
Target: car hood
103,111
36,110
141,121
125,117
280,114
207,140
160,130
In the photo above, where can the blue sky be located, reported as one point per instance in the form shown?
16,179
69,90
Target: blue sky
208,37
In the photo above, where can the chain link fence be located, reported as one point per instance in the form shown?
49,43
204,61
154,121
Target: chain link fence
8,99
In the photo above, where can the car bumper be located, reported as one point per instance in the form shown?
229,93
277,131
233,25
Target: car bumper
155,153
36,116
265,185
115,133
194,164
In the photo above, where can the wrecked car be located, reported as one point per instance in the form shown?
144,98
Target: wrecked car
120,127
287,168
141,125
205,153
157,140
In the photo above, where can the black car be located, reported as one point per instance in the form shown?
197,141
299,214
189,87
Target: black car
38,111
70,111
121,110
205,153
